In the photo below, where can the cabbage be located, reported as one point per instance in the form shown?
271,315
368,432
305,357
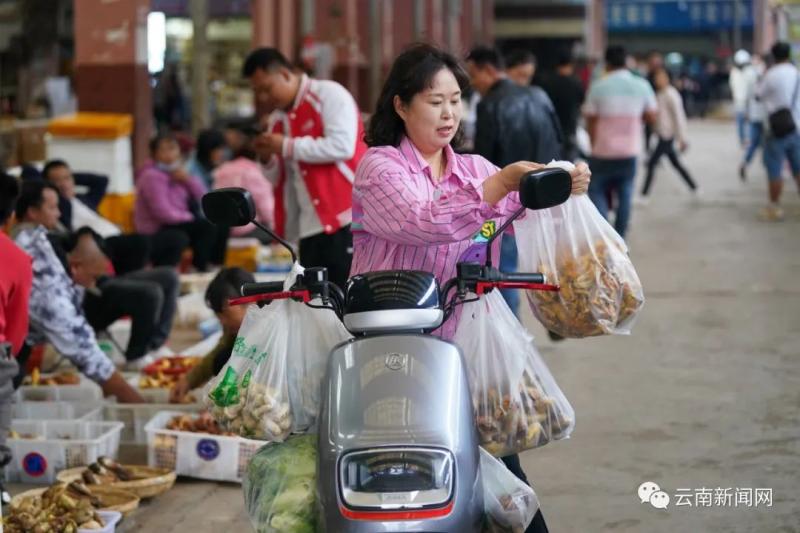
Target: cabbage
280,486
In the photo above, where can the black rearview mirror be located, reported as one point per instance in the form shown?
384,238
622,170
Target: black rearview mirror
231,206
548,187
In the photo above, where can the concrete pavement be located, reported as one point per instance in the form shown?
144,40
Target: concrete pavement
706,392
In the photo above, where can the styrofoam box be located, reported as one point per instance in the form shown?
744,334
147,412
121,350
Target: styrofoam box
110,157
89,392
198,455
66,444
80,411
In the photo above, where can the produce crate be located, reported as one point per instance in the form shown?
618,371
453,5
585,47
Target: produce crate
88,392
66,444
198,455
135,416
78,411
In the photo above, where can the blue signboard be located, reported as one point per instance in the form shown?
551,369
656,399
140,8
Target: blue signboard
677,16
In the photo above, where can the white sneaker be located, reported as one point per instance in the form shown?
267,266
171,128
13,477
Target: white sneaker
138,364
772,213
641,201
163,351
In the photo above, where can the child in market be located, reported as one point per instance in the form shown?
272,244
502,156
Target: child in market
225,285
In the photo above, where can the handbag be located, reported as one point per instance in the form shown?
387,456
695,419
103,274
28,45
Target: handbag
781,122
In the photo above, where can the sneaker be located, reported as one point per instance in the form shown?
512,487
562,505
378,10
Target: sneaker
138,364
163,351
772,213
641,201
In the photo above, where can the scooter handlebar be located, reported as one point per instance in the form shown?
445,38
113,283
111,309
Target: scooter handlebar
523,277
264,287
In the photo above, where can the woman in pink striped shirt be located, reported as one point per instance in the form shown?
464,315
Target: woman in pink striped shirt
419,205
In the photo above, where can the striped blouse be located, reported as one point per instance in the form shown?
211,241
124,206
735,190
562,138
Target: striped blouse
404,219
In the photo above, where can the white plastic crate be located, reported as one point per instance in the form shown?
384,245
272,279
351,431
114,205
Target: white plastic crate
79,411
59,393
198,455
135,416
66,444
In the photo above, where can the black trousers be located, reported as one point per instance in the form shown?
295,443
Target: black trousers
132,252
148,297
538,524
665,147
208,243
334,252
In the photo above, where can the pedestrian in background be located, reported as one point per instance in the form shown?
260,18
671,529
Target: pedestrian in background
515,122
755,117
567,94
670,128
779,93
742,78
616,108
521,66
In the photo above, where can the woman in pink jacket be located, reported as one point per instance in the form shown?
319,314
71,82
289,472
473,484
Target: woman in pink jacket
242,171
168,201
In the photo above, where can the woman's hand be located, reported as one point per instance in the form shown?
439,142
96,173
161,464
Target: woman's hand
512,174
581,176
497,186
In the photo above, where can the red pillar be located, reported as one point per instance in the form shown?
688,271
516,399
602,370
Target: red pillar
111,64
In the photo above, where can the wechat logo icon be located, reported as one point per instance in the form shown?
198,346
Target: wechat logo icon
651,493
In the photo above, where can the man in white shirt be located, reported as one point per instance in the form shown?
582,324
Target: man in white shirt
780,90
129,252
311,147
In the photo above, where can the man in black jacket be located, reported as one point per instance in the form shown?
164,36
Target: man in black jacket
514,123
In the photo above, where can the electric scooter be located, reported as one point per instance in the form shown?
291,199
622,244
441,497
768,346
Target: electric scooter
397,440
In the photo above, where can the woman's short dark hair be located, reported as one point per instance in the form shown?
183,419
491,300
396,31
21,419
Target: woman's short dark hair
207,142
412,72
225,285
156,141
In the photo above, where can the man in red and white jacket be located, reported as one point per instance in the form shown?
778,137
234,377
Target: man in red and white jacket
312,145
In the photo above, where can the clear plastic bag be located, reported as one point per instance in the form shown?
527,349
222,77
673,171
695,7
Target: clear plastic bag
577,249
270,386
517,402
510,504
280,486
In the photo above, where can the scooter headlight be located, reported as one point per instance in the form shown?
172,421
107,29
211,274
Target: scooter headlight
386,479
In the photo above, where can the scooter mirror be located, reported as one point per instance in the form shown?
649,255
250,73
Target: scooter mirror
547,187
231,206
